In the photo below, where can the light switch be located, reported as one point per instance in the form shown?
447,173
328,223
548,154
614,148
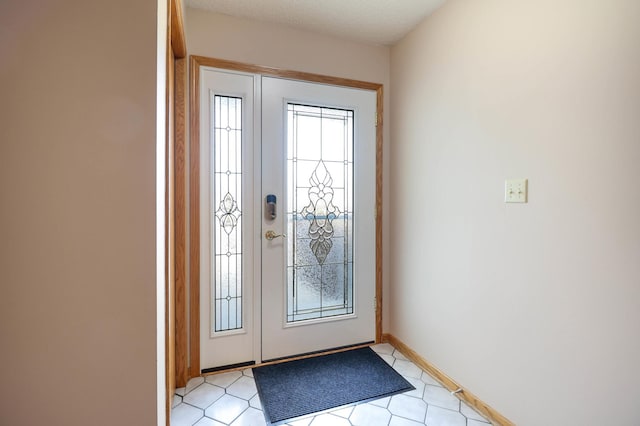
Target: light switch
515,191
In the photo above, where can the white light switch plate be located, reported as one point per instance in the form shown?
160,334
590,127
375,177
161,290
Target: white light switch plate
515,191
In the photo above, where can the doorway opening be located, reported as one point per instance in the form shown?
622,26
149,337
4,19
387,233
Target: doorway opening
309,216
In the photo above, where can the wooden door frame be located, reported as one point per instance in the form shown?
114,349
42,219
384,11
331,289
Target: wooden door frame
174,136
194,189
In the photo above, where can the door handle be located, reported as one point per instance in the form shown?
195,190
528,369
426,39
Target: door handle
270,235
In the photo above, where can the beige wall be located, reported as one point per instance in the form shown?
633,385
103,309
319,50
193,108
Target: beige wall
535,307
77,188
223,37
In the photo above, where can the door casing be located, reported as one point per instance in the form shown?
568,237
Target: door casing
194,188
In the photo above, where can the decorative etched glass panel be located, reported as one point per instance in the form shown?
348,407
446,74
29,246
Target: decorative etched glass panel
227,212
319,212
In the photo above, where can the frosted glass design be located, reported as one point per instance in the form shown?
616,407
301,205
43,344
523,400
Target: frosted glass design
319,212
227,213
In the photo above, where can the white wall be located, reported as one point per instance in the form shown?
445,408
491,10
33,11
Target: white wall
534,307
77,190
224,37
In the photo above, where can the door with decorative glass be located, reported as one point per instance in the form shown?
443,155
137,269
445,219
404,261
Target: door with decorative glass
303,279
318,156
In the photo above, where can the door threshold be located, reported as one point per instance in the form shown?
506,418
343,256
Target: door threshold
253,364
316,353
230,367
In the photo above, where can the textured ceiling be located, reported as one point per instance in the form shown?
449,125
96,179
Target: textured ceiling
373,21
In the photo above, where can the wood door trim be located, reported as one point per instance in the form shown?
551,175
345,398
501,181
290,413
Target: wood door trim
178,42
194,179
194,218
174,139
181,324
277,72
378,212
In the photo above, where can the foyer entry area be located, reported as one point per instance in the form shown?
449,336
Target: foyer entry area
231,398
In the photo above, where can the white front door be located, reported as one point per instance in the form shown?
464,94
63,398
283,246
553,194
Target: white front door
310,285
318,158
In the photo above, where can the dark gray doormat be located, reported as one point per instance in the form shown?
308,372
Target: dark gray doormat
296,388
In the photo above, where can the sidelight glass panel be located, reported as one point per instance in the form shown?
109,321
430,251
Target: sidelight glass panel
227,213
319,212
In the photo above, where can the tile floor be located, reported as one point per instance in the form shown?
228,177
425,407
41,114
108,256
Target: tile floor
232,399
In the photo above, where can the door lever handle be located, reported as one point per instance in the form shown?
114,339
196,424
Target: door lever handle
270,235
